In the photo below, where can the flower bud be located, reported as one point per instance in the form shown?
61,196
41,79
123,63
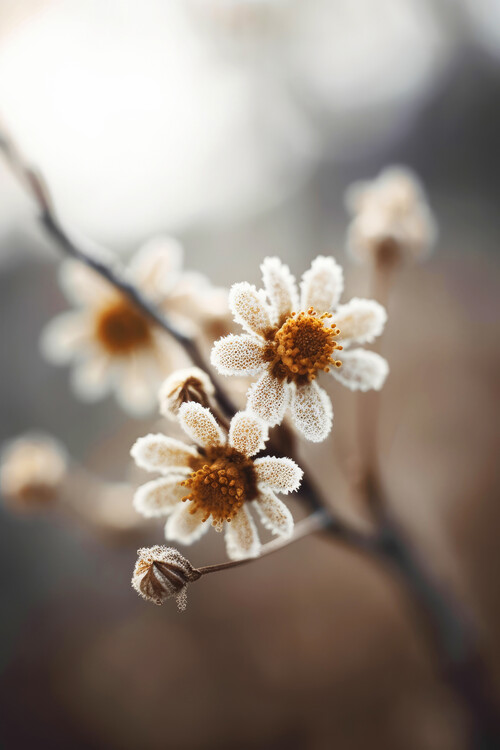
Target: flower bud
32,468
162,572
190,384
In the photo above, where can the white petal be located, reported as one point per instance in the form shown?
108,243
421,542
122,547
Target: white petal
269,398
156,266
247,433
137,385
186,527
241,536
273,513
312,412
238,355
92,378
159,497
162,453
280,287
361,370
83,286
249,308
63,337
282,474
200,424
360,321
322,285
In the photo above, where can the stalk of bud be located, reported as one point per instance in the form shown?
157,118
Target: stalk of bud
190,384
162,572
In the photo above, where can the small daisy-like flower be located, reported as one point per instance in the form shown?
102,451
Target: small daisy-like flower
392,219
217,480
32,469
162,572
112,345
289,342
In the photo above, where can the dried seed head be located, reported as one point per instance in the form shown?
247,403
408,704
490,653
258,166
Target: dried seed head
183,386
162,572
32,468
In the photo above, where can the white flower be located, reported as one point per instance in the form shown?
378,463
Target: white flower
112,345
32,469
288,342
217,481
392,218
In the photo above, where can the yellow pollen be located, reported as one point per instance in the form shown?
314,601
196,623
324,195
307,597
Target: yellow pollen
121,328
303,346
222,483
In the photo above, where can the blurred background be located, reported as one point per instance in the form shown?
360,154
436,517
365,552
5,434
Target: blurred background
237,126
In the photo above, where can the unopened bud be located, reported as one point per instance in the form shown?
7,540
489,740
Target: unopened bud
32,469
191,384
162,572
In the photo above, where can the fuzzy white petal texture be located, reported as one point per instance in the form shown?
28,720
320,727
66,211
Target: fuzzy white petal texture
360,321
83,286
238,355
241,536
281,474
186,527
137,385
312,412
159,497
157,265
200,425
361,370
322,285
273,513
249,307
93,377
269,398
162,453
63,337
280,287
247,433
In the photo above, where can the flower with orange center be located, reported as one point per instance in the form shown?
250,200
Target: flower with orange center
289,342
112,345
217,481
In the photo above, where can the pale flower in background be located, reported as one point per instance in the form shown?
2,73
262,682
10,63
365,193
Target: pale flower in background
32,469
162,572
112,345
290,341
391,218
218,481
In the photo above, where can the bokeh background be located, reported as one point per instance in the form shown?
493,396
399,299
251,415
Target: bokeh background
237,126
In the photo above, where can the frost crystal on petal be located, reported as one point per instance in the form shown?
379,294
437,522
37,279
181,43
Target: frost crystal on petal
241,536
322,285
362,370
269,398
360,320
162,572
247,433
249,308
280,287
159,497
200,425
162,453
281,474
184,526
238,355
273,513
312,412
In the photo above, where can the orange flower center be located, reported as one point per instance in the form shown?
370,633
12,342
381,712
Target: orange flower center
303,345
121,328
223,480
